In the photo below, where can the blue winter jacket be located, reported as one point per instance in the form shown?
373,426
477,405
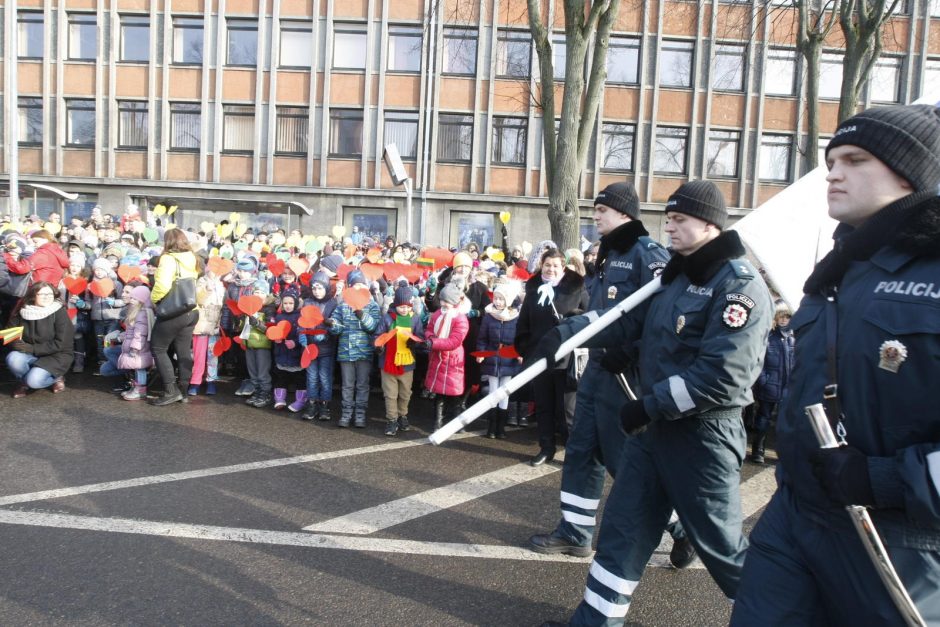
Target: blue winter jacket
496,333
778,362
283,356
356,339
326,343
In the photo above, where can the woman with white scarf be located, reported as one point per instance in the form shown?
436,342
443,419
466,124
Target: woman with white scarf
550,296
43,354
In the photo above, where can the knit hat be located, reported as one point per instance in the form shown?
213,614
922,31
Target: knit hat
330,264
77,259
620,197
450,294
356,277
509,291
141,293
403,296
247,264
289,296
700,199
261,286
15,240
462,259
321,279
906,138
102,263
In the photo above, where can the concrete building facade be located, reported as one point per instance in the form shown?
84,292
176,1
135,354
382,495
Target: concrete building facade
282,109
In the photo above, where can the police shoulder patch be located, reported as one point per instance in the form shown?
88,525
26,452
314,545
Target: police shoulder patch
737,310
742,268
656,267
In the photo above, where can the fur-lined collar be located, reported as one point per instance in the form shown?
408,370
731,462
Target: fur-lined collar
910,225
506,314
705,262
621,239
35,312
570,281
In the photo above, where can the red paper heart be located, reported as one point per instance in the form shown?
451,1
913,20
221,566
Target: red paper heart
310,353
250,304
305,278
278,332
233,307
508,352
276,267
483,354
220,266
520,273
356,297
374,255
441,256
102,287
350,251
372,271
221,345
343,271
385,338
128,273
76,285
298,265
310,317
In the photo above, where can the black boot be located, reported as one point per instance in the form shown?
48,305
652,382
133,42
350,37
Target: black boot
171,394
491,424
512,417
438,412
324,411
757,448
501,417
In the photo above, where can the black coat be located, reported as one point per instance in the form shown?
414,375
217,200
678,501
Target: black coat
571,299
50,339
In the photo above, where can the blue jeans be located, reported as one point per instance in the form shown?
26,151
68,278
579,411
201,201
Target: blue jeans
102,328
320,378
109,367
20,364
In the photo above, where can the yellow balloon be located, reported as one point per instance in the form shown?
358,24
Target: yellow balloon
52,227
241,229
498,256
159,210
504,217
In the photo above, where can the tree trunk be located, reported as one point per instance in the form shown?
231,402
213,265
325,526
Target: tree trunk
812,52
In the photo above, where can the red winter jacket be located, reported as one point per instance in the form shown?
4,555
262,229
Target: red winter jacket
49,263
445,367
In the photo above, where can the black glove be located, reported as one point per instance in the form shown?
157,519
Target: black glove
615,360
546,348
843,474
358,313
633,417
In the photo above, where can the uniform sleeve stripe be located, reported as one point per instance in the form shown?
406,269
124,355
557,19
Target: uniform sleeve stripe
680,394
577,501
612,581
933,466
579,519
592,316
608,609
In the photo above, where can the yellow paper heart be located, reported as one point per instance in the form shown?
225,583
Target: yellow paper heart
159,210
339,231
206,227
504,217
52,227
234,217
224,230
171,210
240,229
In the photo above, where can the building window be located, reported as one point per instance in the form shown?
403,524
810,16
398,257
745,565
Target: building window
30,114
401,129
345,132
676,64
780,73
185,125
728,68
559,57
670,150
135,38
509,140
292,127
623,60
349,47
404,49
618,141
513,54
775,152
454,138
80,122
296,44
132,124
83,36
29,25
931,74
884,84
242,42
935,8
830,75
721,153
460,51
188,40
238,128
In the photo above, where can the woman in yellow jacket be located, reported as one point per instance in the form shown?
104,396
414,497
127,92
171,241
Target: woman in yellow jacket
178,259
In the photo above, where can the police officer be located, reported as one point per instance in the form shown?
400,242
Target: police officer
627,259
876,299
701,349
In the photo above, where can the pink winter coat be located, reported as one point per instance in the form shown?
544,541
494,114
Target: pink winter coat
445,367
135,350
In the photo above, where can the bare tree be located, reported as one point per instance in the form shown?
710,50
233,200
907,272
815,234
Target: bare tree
815,20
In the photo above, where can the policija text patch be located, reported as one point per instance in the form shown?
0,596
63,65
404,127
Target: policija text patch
737,311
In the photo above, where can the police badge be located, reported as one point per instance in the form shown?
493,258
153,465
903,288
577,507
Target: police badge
680,324
891,355
612,292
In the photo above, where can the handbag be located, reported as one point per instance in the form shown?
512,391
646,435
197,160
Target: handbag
180,299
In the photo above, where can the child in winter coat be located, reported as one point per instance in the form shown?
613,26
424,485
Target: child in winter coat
771,386
104,311
287,283
444,337
498,330
241,283
320,370
287,372
355,328
397,359
135,346
79,271
258,347
210,299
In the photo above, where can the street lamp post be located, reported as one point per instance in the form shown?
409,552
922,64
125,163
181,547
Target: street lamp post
396,169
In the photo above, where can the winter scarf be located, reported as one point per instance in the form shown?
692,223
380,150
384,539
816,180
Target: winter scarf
445,320
35,312
705,262
505,314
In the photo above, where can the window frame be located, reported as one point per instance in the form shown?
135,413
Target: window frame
124,106
36,103
502,123
238,110
462,125
240,25
25,21
778,55
79,104
188,23
833,61
354,115
676,46
636,47
296,26
193,109
404,31
605,153
350,28
503,38
404,117
684,130
81,19
136,21
467,34
734,137
291,112
760,152
721,49
931,67
897,63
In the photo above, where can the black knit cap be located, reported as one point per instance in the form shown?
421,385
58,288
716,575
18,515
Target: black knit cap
700,199
906,138
620,197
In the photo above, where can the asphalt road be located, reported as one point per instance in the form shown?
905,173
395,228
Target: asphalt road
215,513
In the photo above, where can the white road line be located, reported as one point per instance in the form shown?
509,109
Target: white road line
286,538
401,510
212,472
